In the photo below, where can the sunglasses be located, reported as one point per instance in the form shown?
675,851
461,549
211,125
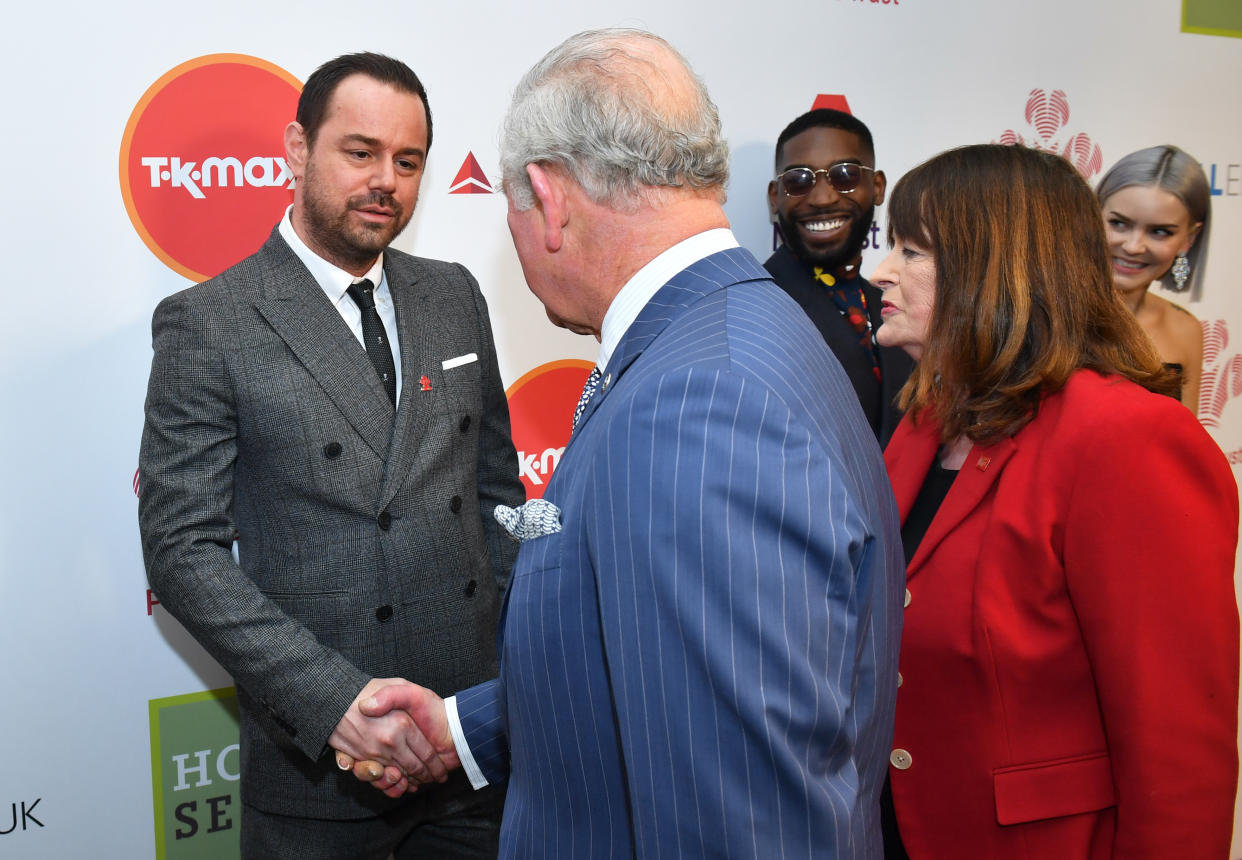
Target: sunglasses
844,178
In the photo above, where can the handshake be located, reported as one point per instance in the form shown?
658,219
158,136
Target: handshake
395,736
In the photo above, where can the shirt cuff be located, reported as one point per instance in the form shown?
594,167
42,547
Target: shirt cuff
468,764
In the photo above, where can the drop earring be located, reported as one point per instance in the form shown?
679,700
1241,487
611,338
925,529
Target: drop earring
1181,271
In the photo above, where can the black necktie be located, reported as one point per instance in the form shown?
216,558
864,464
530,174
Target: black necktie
374,337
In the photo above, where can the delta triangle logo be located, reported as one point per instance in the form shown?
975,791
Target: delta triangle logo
832,101
471,179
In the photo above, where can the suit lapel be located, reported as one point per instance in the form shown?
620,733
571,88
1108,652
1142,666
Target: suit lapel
909,466
299,312
412,300
714,272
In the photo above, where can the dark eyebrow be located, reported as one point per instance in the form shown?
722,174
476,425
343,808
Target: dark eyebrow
360,138
373,142
849,159
1120,217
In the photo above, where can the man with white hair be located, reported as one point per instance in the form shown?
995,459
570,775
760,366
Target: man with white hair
699,644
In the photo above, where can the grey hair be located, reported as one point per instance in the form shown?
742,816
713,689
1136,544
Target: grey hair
1172,170
590,108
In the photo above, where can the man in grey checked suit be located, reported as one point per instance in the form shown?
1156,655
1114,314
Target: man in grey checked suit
361,505
702,659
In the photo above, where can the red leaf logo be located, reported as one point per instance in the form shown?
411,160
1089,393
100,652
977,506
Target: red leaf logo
1215,339
1083,154
1047,112
1219,383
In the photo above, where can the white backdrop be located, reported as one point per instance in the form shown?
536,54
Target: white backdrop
81,655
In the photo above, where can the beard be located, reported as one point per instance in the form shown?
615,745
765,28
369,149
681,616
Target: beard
336,237
829,259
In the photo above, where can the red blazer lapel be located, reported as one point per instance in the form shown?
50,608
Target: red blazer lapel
909,458
981,470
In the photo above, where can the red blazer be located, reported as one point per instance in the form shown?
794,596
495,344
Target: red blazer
1069,661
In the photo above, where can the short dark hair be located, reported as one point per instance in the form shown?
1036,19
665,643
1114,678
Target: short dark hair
826,118
313,103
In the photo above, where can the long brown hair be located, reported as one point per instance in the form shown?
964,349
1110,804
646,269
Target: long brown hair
1024,293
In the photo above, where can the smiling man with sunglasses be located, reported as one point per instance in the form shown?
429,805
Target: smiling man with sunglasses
823,201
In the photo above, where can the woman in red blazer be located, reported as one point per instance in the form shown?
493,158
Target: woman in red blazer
1069,662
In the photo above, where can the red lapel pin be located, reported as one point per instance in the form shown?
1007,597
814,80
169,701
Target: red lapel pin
425,382
983,463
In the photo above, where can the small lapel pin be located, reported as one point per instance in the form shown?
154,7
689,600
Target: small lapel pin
982,464
425,383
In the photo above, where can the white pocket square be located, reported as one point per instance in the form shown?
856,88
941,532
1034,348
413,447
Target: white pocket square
450,363
533,519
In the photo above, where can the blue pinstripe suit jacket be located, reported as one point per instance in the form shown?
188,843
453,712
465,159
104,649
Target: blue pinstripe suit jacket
703,662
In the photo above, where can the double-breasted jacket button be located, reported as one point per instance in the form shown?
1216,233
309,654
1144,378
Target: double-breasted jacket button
332,450
455,504
465,423
470,587
900,759
384,612
907,603
384,520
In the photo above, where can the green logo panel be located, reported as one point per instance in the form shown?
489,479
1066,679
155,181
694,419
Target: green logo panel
195,766
1212,17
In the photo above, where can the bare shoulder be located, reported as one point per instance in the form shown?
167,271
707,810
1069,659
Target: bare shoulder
1175,331
1181,323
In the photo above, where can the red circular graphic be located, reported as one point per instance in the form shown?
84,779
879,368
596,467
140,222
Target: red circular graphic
541,410
202,161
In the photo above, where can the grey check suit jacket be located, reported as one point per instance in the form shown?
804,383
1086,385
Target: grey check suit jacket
367,547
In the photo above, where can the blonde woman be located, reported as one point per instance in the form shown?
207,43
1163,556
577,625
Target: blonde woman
1156,205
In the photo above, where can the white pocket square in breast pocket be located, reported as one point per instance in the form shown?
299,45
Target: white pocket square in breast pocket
450,363
533,519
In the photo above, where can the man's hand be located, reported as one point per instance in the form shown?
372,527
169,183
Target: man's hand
390,737
396,698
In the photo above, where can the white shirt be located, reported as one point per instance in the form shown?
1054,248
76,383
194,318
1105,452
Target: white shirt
647,281
625,308
335,283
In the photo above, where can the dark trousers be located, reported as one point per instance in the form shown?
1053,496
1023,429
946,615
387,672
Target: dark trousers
461,827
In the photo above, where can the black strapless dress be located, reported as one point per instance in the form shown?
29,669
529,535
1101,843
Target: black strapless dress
1177,370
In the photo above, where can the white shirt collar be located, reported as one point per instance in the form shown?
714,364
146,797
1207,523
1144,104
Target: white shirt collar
648,280
331,278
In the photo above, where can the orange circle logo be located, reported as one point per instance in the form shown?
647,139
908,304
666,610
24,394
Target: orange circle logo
203,171
541,412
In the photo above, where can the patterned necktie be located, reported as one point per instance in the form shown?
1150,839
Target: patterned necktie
852,303
374,337
588,391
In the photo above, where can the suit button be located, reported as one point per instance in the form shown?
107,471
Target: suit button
332,450
470,588
907,603
465,424
384,520
455,504
900,759
384,613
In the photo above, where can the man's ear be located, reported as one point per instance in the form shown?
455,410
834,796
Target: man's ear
297,151
553,201
773,197
880,182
